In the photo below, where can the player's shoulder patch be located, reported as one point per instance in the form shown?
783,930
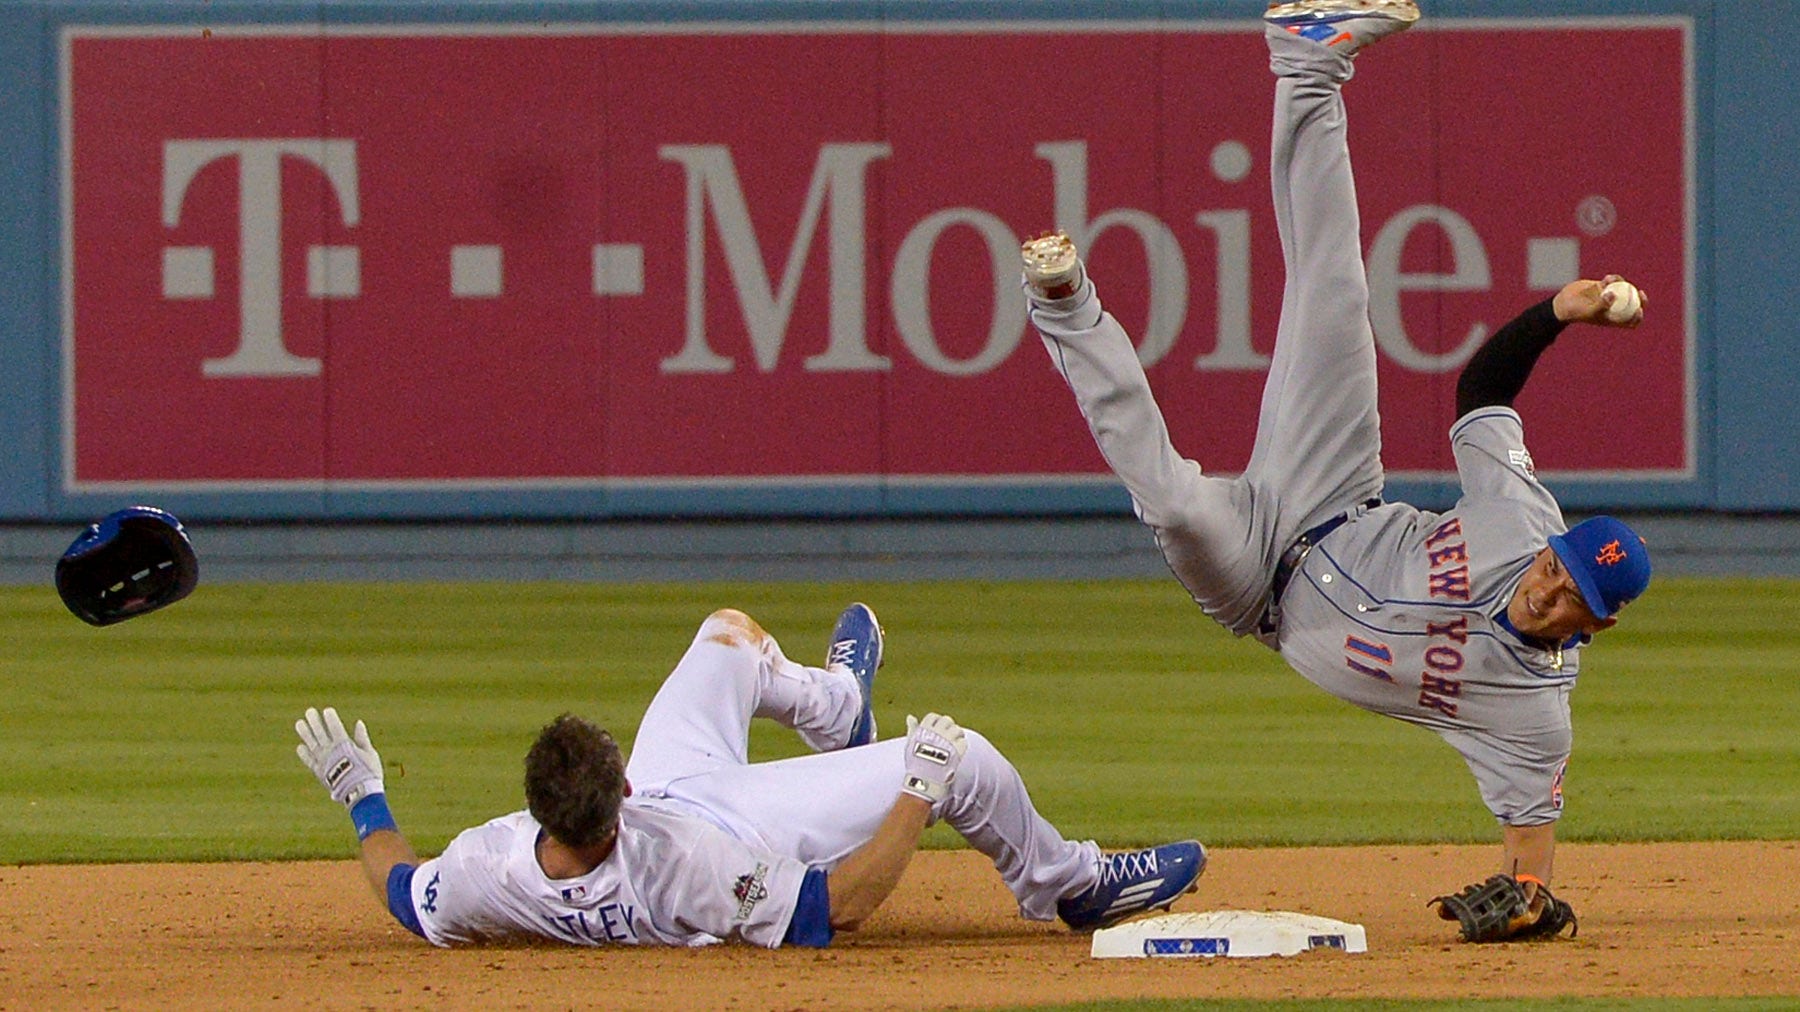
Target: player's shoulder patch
1520,458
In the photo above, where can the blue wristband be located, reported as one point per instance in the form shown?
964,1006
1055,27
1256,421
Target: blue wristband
371,815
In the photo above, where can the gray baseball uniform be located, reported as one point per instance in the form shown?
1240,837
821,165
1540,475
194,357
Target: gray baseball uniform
1396,610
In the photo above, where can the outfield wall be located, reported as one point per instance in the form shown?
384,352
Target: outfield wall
844,550
611,261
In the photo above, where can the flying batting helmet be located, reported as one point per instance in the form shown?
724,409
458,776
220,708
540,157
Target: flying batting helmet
131,562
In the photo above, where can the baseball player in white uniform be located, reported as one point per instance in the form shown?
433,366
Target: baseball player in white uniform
691,844
1468,622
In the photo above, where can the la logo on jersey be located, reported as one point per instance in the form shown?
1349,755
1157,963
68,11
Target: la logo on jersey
750,890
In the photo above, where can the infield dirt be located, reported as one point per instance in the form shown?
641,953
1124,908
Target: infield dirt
1676,920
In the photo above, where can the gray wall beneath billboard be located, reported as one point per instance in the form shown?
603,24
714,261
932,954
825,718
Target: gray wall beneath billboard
799,550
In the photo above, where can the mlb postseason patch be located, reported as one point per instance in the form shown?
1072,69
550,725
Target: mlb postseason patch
750,890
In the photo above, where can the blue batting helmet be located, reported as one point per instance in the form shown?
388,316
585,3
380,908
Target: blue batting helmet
134,561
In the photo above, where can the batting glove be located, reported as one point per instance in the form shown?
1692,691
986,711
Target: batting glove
934,749
350,768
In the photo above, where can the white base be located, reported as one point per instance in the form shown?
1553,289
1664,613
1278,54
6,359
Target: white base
1237,933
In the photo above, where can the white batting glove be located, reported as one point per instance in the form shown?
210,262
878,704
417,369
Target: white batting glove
934,749
350,768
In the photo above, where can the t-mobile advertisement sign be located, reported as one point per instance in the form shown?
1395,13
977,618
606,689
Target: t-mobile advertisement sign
419,257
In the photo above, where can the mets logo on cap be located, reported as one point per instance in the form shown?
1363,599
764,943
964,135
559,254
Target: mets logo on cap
1609,562
1610,554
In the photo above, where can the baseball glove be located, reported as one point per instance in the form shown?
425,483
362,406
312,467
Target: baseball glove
1497,911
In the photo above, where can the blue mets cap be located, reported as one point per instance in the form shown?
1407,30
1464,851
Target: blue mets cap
1609,561
131,562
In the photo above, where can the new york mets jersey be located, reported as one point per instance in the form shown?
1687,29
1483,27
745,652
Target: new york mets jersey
1402,612
673,879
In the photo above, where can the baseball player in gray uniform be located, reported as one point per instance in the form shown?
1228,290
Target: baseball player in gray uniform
691,844
1468,622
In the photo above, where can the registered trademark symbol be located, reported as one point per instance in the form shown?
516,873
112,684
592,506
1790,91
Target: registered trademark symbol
1596,216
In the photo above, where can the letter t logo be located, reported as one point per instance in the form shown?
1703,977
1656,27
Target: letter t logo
260,350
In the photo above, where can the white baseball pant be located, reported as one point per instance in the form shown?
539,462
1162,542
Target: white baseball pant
691,751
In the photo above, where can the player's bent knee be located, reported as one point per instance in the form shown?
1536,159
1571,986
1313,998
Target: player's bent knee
976,774
733,628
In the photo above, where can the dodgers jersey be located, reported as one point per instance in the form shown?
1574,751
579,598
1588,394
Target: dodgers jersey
1402,612
672,879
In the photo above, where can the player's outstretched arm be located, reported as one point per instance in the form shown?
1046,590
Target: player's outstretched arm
1529,853
350,768
868,876
934,749
1498,370
1516,903
383,851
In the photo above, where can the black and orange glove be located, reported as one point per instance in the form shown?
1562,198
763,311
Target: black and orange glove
1497,911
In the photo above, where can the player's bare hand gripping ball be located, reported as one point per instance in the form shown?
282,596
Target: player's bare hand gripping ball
1612,302
347,765
935,747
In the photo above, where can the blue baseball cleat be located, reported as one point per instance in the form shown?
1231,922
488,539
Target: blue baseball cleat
1134,881
1347,26
856,648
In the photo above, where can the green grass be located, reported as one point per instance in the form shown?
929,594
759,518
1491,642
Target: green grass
1133,718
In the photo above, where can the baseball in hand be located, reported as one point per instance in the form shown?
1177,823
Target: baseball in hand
1626,301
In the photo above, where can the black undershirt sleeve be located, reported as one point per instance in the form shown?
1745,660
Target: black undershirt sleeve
1499,369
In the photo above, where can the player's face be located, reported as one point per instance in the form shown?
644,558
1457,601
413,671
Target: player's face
1548,605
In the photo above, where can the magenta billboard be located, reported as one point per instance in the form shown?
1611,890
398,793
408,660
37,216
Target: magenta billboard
532,256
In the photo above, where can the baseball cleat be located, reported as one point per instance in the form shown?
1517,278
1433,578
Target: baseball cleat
856,648
1134,881
1347,26
1052,267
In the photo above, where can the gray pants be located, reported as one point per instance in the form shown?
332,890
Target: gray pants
1318,435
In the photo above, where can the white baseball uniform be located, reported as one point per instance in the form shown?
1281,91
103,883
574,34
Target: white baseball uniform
712,847
1396,610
